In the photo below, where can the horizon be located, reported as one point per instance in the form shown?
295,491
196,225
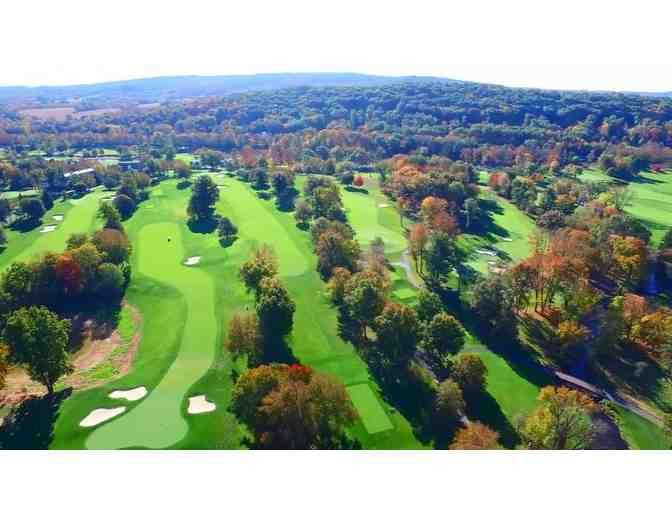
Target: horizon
516,44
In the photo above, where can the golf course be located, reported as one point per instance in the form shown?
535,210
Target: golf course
186,288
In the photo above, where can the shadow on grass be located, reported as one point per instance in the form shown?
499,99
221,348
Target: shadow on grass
484,408
31,425
353,189
184,184
227,241
202,226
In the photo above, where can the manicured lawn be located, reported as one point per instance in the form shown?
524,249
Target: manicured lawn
651,202
79,216
508,234
641,434
373,416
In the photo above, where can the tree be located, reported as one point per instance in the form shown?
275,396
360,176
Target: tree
88,258
69,274
358,181
32,208
570,334
204,196
38,339
449,405
4,364
125,205
472,212
47,201
226,229
441,257
665,242
429,304
335,250
110,281
17,284
129,187
336,285
110,214
365,296
417,240
443,338
470,373
113,244
5,209
275,309
629,257
492,302
476,436
398,330
562,421
292,407
303,212
76,240
3,236
263,263
245,338
183,172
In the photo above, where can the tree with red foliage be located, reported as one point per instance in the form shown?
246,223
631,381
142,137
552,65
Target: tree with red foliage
68,271
358,181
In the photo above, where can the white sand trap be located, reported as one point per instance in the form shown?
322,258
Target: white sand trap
384,205
130,395
58,217
507,239
98,416
192,261
487,252
48,228
198,405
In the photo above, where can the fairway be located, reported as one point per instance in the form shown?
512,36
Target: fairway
369,219
510,234
650,202
158,422
373,416
79,216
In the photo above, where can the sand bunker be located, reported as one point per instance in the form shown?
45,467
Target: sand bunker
507,239
192,261
487,252
48,228
384,205
98,416
130,395
58,217
198,405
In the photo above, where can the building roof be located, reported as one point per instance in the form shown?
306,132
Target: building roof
79,172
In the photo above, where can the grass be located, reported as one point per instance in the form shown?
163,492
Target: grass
375,419
641,434
650,202
23,246
507,233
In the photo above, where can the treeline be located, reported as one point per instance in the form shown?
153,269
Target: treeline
480,124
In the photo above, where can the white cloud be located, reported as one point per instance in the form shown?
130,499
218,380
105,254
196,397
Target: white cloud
590,44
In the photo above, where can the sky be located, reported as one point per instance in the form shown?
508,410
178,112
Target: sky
562,44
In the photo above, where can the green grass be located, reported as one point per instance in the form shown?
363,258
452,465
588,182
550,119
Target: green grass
508,222
372,414
650,202
641,434
82,218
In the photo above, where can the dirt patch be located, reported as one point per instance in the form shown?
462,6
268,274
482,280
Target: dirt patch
102,357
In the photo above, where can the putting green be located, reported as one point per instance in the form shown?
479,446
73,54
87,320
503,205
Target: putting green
158,421
374,417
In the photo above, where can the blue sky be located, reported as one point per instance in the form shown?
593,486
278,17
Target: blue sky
589,44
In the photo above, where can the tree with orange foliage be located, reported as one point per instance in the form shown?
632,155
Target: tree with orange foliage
68,271
358,181
500,182
476,436
417,240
